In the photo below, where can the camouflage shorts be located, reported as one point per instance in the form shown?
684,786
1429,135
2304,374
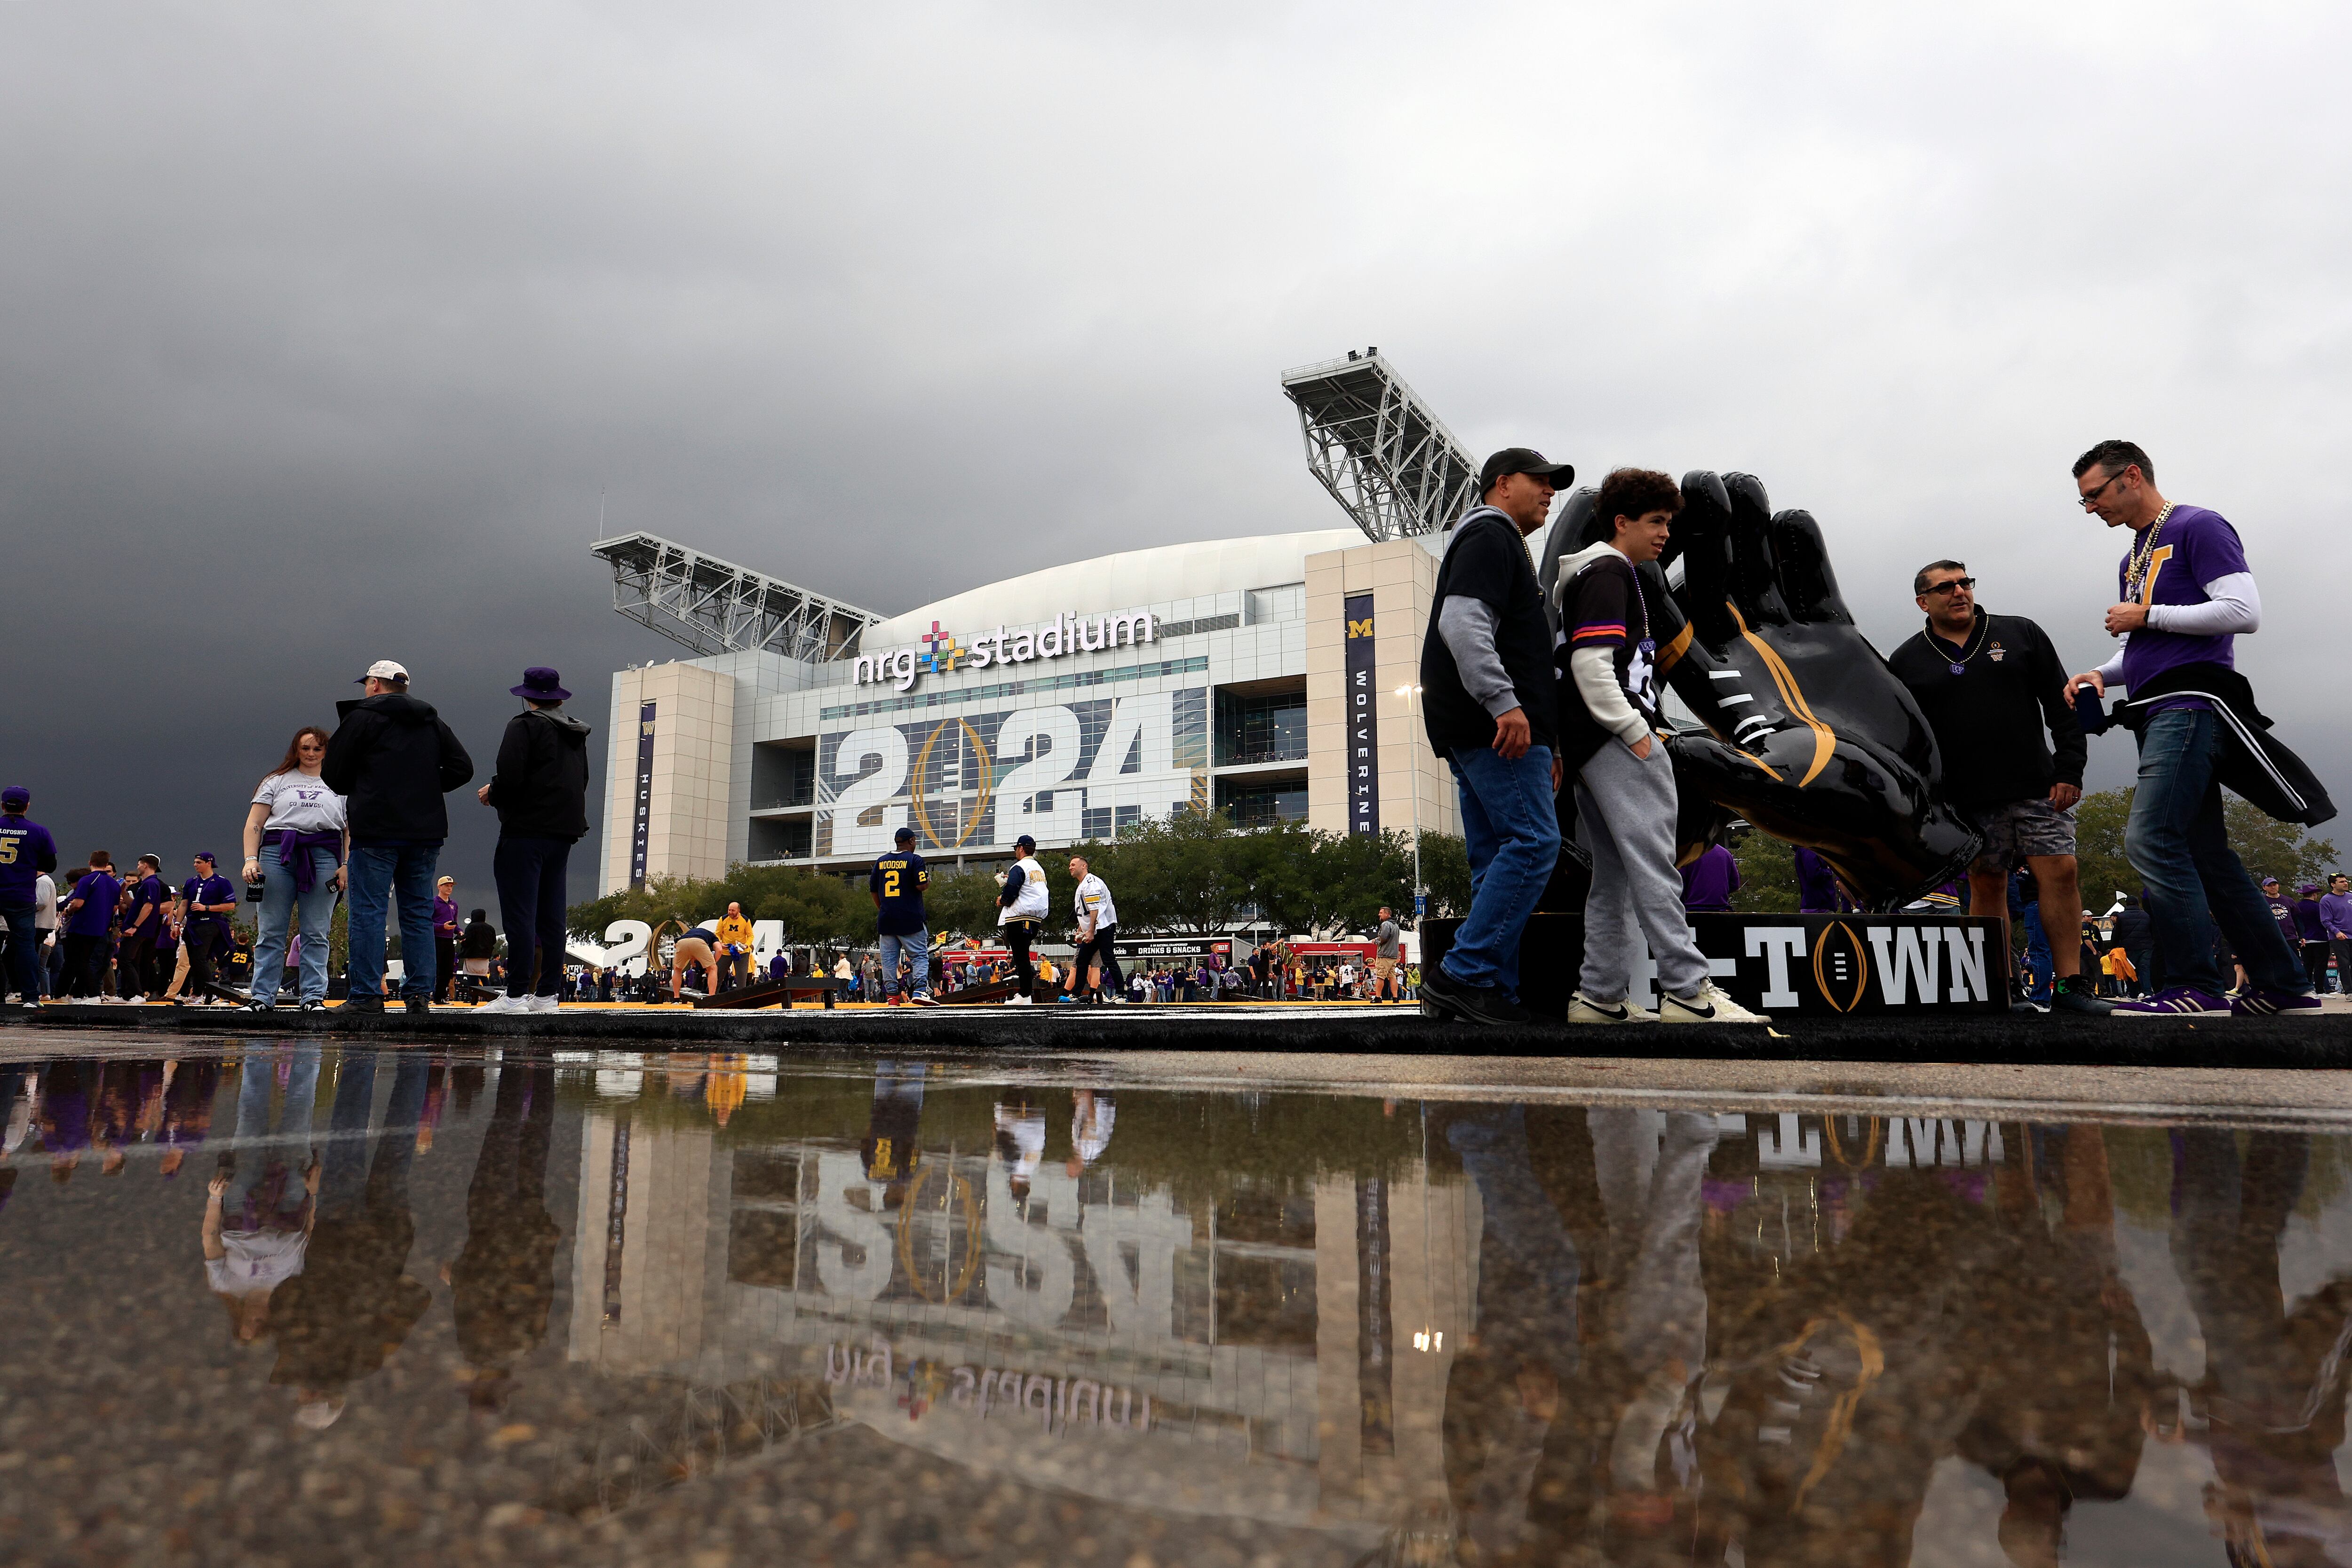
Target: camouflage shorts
2016,829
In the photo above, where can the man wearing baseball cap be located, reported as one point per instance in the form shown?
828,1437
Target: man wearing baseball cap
540,790
393,758
1487,688
26,854
1019,907
895,885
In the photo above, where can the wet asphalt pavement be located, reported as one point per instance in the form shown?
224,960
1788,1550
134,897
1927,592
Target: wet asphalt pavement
309,1300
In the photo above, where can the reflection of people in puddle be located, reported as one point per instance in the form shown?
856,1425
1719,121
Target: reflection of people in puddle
353,1304
505,1277
2061,1423
2274,1391
1090,1125
1505,1387
130,1106
888,1152
1019,1140
64,1115
258,1220
1640,1400
1851,1376
189,1086
15,1123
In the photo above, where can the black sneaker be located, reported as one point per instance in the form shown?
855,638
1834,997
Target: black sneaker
1442,996
2075,994
417,1006
364,1004
312,1007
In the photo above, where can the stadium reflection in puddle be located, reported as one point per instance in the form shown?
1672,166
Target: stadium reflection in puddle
360,1306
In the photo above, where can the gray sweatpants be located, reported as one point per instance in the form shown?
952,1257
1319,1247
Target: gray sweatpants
1625,811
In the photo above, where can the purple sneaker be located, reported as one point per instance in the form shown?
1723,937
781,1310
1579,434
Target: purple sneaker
2180,1002
2276,1004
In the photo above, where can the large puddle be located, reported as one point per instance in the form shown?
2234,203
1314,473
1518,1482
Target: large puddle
312,1305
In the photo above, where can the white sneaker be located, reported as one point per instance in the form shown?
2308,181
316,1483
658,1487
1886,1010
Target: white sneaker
1709,1006
1583,1009
545,1004
504,1003
1019,1001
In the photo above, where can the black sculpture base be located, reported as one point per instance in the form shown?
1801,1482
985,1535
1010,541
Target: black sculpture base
1813,966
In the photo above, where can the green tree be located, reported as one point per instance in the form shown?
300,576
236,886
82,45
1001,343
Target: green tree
1768,874
1445,872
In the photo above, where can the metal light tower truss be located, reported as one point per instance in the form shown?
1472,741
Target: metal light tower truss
716,607
1377,447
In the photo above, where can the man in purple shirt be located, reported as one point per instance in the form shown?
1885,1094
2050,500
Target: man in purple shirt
26,851
2336,919
88,915
209,901
134,960
1710,881
2186,595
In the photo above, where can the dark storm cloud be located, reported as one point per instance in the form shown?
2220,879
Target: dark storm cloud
329,322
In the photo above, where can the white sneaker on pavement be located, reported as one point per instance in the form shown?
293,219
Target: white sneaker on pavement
1583,1009
504,1003
1709,1006
546,1004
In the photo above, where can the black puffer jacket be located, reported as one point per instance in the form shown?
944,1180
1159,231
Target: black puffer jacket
395,759
540,784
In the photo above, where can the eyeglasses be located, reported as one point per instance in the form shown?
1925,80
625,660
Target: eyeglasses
1947,587
2091,497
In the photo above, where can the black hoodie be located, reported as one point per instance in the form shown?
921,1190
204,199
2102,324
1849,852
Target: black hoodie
395,759
540,783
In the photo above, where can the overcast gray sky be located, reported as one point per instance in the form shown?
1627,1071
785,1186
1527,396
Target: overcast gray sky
328,323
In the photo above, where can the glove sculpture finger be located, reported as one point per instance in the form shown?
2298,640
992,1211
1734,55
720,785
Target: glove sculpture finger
1810,737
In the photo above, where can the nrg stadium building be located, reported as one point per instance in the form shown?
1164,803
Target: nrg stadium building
1270,678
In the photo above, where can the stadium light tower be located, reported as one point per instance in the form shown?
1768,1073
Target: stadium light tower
716,607
1377,447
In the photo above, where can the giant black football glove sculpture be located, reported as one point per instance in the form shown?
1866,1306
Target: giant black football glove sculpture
1812,738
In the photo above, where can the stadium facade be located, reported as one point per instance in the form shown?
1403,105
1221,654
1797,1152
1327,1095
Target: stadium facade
1256,676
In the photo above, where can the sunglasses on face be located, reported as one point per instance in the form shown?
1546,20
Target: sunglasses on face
1934,588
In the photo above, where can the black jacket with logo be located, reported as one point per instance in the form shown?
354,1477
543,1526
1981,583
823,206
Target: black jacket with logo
1989,718
393,759
541,783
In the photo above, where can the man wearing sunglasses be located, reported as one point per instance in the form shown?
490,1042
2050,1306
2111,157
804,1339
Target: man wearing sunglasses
1989,685
2187,596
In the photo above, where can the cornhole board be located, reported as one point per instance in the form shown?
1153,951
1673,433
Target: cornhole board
773,993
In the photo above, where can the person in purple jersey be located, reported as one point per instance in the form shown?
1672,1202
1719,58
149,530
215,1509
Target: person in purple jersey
2310,937
1710,881
2186,595
208,900
26,854
1818,892
2335,921
89,917
142,921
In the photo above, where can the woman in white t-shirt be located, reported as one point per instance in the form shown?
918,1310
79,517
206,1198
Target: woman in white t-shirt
296,843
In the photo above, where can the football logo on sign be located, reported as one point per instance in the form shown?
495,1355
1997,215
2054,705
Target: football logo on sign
1841,966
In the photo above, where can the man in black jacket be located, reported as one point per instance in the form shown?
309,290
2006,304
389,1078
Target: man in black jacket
1988,684
540,790
1487,704
393,758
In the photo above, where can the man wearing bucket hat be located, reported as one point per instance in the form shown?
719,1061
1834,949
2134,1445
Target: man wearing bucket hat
393,758
540,790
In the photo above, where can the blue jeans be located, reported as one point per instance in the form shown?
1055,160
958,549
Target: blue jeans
1511,828
2037,953
278,903
379,874
2179,844
24,952
917,945
530,873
